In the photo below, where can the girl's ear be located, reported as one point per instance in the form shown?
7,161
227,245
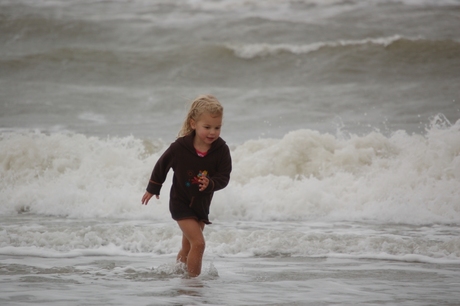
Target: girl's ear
192,124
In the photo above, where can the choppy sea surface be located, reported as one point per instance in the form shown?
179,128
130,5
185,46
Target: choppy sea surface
343,123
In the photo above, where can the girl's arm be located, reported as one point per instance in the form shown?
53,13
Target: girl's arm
160,172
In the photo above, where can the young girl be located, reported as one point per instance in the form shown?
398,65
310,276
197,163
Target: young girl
202,164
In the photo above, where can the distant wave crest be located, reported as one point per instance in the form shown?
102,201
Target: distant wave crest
249,51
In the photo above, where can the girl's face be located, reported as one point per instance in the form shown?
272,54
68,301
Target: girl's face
207,129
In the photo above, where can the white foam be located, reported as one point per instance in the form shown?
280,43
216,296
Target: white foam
305,175
209,5
404,258
438,244
75,175
248,51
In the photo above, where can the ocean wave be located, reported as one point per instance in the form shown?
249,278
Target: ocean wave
250,51
242,3
334,61
65,174
305,175
308,175
234,4
113,238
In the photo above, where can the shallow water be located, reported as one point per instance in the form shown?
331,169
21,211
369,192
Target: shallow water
152,280
251,263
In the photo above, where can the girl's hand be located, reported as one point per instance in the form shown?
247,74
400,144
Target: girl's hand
147,196
204,182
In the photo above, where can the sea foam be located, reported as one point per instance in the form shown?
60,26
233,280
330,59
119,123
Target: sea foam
248,51
306,175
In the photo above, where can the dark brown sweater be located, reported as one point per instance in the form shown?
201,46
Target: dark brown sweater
186,201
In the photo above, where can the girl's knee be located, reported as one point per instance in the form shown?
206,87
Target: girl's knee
200,245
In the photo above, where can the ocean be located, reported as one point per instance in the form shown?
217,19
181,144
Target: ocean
343,120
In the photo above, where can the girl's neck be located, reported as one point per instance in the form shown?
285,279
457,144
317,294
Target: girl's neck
202,147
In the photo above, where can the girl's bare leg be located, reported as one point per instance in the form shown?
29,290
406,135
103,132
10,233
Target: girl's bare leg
183,253
193,245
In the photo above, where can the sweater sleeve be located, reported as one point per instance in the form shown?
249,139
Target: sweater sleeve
160,171
221,177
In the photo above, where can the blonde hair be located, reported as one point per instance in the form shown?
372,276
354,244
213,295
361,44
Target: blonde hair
202,104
